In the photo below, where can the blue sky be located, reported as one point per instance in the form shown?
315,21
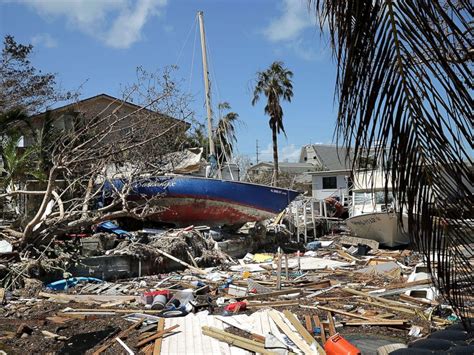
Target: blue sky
99,43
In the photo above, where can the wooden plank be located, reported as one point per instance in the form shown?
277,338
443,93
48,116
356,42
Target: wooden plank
279,261
307,321
346,256
418,301
235,340
332,327
192,259
169,256
294,337
303,332
318,324
122,334
374,245
160,327
273,304
286,268
270,294
380,299
94,311
90,299
157,335
323,308
317,285
382,322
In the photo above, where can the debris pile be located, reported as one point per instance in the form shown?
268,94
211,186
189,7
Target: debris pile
338,294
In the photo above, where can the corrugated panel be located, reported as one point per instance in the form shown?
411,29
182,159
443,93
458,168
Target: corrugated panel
190,339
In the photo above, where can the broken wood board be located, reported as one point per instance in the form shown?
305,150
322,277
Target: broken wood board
157,345
123,334
87,299
323,308
273,304
236,340
303,332
294,336
169,256
270,294
332,327
157,335
373,244
382,322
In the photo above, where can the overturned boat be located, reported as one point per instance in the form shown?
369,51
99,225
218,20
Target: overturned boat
186,200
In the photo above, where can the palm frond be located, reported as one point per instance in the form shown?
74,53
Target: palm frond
403,86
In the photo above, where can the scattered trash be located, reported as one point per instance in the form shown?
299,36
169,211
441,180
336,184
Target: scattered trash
71,282
111,227
168,282
5,247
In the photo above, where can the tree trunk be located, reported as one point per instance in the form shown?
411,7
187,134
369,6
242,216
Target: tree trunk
27,233
275,157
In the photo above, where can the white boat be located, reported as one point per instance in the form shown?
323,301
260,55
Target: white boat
372,215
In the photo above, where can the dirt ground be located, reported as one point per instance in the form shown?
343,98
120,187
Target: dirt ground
85,335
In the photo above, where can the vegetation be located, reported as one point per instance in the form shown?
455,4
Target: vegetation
276,85
22,86
224,135
403,82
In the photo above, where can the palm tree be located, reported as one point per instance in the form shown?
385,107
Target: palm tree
17,165
275,83
403,81
225,137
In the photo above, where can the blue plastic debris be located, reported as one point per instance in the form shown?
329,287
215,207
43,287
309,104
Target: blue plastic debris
64,284
313,245
111,227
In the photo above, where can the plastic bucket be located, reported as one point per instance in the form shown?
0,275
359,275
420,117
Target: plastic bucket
337,345
159,302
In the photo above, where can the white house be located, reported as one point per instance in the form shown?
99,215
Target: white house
333,177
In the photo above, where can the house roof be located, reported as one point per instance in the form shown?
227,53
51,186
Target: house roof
112,99
287,165
333,157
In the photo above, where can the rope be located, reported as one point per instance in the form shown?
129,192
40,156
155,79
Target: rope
186,40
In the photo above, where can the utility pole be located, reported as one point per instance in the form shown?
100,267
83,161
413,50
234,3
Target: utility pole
257,150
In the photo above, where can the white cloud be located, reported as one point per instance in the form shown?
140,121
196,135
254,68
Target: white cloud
44,40
118,23
295,18
290,153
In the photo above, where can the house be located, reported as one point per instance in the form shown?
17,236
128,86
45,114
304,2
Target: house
317,163
128,119
294,172
333,179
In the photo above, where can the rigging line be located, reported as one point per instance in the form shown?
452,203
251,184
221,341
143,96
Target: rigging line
186,40
191,69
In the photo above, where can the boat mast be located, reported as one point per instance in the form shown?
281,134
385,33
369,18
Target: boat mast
206,83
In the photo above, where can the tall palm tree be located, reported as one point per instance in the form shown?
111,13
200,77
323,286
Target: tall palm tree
403,81
225,137
275,83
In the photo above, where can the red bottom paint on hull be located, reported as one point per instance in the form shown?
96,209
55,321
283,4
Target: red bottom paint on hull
187,211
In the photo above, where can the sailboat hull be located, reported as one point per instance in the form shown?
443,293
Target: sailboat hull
380,226
185,200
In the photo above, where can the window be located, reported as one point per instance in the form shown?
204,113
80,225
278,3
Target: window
329,182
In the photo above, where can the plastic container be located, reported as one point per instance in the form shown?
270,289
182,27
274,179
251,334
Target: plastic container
181,298
159,302
148,297
234,307
337,345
